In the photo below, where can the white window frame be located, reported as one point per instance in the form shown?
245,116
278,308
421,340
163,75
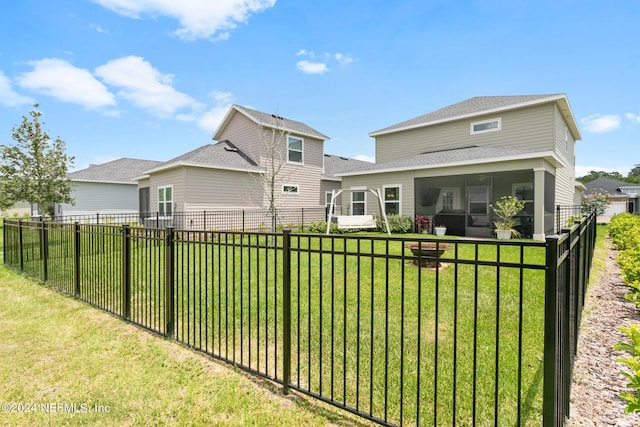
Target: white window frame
291,193
327,198
398,202
165,201
482,122
355,190
289,150
457,201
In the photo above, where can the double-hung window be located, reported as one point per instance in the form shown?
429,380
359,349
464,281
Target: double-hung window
295,147
392,199
165,200
358,203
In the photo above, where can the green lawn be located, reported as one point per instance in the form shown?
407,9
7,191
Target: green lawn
56,351
351,343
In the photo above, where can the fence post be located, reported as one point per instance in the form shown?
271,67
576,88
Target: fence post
20,245
76,259
286,310
168,282
44,251
126,271
550,387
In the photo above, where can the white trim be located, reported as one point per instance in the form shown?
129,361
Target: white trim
196,165
290,162
481,122
97,181
291,193
362,190
549,156
164,187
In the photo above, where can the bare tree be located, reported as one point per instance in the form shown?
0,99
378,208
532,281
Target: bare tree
273,158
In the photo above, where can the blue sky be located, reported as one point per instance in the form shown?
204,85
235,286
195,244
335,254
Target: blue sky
152,79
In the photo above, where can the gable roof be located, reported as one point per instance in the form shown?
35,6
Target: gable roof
454,157
334,164
223,155
269,120
481,105
120,171
608,185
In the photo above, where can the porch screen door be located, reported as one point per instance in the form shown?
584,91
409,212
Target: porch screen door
478,218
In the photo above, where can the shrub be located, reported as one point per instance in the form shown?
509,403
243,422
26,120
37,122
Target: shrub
321,227
624,230
397,224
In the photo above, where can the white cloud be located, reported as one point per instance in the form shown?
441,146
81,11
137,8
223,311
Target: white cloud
199,19
213,117
320,66
145,86
343,59
312,67
59,79
633,117
597,123
365,158
9,97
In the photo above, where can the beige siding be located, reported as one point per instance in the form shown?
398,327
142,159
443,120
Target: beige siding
525,128
244,134
403,179
211,189
328,186
565,149
176,178
249,137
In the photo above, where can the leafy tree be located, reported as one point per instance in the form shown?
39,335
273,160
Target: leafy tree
592,175
597,200
635,171
35,168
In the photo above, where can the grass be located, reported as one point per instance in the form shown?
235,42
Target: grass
448,333
56,350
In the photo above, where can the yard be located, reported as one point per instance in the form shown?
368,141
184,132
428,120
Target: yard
370,330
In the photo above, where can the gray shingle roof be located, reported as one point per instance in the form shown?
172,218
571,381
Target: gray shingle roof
337,164
223,155
608,185
472,106
120,170
271,120
445,157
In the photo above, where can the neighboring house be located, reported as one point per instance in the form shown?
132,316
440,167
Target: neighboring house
230,174
623,196
451,164
334,165
106,189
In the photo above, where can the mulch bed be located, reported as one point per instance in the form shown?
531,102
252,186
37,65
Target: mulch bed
597,382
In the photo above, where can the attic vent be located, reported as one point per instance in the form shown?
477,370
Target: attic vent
232,149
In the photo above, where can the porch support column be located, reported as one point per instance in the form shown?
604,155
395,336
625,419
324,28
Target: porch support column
538,204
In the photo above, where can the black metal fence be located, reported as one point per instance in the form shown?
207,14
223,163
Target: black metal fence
400,331
566,215
224,220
